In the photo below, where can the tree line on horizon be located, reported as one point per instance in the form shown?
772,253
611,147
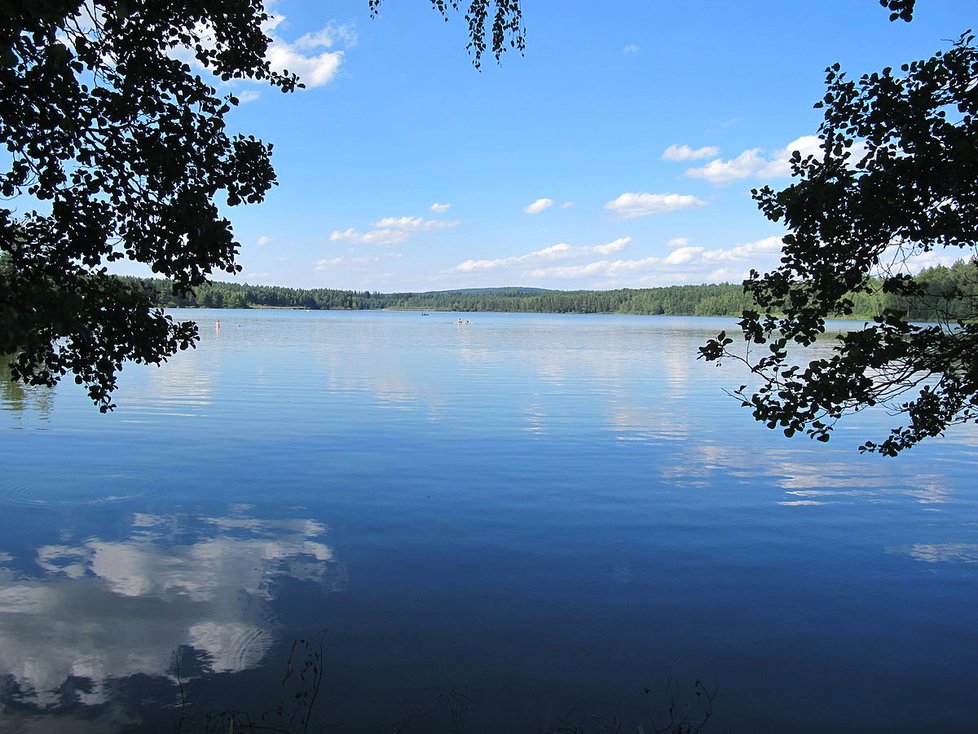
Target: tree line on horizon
947,293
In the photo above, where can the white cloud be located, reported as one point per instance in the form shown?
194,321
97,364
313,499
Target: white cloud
753,163
685,153
743,252
599,267
263,240
391,231
538,206
414,224
439,208
619,267
806,145
631,48
314,71
683,255
559,250
469,265
631,205
274,20
620,244
596,266
248,95
328,37
553,251
719,172
780,165
568,204
386,237
685,263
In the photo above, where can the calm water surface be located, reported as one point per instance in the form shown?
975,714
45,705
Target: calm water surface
483,528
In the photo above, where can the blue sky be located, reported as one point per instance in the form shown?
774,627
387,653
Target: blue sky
619,151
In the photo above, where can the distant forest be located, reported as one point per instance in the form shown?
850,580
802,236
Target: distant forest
949,292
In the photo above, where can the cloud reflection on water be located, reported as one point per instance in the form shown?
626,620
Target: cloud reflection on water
105,609
945,552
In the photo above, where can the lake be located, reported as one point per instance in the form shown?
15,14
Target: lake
399,523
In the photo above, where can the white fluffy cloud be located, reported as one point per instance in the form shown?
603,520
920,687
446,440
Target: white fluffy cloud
599,267
391,231
560,251
632,205
753,163
386,237
415,224
685,263
607,265
719,172
439,208
682,255
328,37
309,56
620,244
538,206
743,252
314,71
686,153
779,167
469,265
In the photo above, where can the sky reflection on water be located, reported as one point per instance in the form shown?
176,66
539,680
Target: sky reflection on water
97,609
544,511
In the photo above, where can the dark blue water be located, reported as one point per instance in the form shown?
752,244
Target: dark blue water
498,526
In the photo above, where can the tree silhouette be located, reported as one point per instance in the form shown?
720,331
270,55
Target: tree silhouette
897,177
117,149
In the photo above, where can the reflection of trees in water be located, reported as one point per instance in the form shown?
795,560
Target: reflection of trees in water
17,396
97,628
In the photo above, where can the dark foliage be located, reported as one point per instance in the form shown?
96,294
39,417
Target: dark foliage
118,150
504,32
898,177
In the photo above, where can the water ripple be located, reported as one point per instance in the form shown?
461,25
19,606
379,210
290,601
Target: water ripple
78,491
